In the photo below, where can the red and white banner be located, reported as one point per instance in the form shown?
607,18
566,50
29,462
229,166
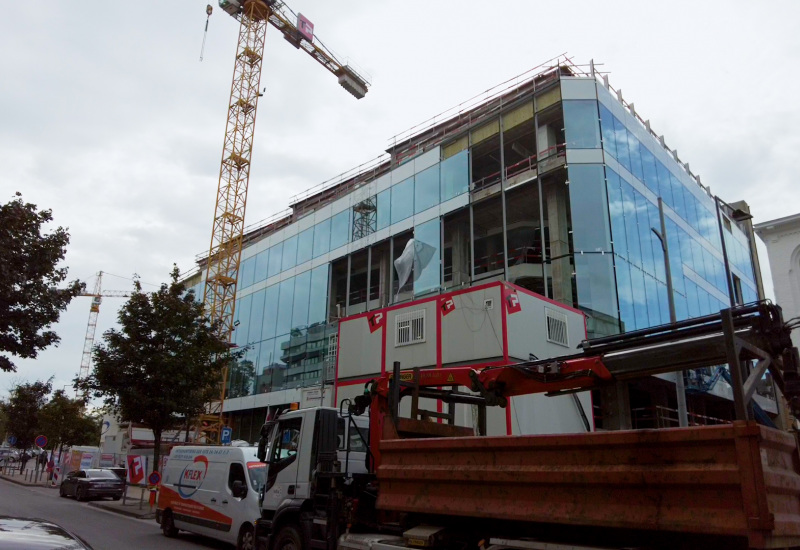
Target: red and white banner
137,467
511,300
376,321
446,305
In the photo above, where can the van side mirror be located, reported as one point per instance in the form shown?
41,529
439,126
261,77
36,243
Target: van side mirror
239,489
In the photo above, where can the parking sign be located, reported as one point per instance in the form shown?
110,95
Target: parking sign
225,436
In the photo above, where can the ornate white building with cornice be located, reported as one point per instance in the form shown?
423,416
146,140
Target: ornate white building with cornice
782,237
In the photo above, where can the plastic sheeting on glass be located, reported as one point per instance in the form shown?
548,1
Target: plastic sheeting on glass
427,257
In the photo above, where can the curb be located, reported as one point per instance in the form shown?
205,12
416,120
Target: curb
118,509
27,484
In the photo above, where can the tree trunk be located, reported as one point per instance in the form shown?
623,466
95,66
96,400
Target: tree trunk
156,450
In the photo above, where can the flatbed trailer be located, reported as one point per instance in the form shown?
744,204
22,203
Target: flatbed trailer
740,481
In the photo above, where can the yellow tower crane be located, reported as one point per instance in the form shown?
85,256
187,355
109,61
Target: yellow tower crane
228,228
94,310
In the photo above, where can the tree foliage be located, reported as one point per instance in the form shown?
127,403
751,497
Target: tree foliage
30,300
165,362
22,411
64,421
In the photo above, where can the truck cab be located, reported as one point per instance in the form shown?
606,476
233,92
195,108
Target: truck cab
309,454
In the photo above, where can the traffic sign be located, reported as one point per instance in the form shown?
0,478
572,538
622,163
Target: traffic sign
225,436
154,478
12,439
41,441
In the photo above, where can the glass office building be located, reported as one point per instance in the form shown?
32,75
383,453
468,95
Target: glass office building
552,184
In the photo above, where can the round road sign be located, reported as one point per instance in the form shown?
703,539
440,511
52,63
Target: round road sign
41,441
154,478
12,439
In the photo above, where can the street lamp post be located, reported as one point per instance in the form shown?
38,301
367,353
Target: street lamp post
680,387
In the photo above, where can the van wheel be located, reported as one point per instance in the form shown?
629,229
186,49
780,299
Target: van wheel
247,538
288,539
168,525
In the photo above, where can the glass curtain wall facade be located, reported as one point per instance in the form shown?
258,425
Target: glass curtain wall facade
557,193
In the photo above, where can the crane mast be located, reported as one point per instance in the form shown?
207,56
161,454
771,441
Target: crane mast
91,328
227,232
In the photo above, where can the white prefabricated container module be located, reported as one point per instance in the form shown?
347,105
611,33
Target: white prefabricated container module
497,323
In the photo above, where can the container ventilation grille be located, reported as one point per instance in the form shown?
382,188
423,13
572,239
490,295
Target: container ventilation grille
409,328
557,327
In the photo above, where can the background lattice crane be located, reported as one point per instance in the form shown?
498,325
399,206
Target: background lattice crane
228,228
94,310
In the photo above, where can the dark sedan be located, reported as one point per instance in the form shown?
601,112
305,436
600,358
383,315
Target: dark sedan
36,534
85,484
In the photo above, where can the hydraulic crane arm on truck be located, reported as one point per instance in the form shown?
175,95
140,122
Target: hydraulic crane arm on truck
426,484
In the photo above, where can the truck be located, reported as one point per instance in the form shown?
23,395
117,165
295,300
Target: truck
340,480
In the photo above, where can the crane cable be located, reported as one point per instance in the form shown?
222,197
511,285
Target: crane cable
209,9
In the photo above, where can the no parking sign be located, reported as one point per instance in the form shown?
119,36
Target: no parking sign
41,441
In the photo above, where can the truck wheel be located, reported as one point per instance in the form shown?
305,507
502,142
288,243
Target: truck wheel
288,539
247,538
168,525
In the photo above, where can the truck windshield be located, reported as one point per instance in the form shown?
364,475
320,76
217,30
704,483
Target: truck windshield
258,474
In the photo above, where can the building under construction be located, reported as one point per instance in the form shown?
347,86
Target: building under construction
511,227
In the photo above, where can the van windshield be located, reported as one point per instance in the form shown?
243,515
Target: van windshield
258,474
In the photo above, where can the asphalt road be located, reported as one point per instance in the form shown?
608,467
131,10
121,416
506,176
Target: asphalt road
101,529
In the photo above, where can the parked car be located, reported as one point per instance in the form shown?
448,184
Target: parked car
29,534
92,482
8,456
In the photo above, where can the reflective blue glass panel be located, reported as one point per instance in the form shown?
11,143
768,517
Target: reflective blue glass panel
426,189
275,259
597,291
649,170
270,311
664,184
340,229
616,210
625,292
247,272
262,260
242,314
402,200
427,257
256,316
621,139
318,308
636,157
607,126
302,286
384,208
289,253
653,313
589,208
285,300
631,223
639,298
455,175
322,237
305,245
645,234
581,124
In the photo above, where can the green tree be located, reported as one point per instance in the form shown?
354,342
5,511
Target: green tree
30,300
165,362
65,422
22,410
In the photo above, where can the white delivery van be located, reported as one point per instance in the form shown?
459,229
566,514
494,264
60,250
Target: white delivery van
212,491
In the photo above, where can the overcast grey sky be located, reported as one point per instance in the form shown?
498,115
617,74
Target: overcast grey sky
108,118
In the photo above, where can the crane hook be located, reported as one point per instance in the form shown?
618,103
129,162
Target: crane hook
209,9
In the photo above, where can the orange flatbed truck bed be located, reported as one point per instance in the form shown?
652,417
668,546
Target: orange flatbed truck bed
739,480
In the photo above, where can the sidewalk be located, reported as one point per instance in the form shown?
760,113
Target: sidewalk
134,504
